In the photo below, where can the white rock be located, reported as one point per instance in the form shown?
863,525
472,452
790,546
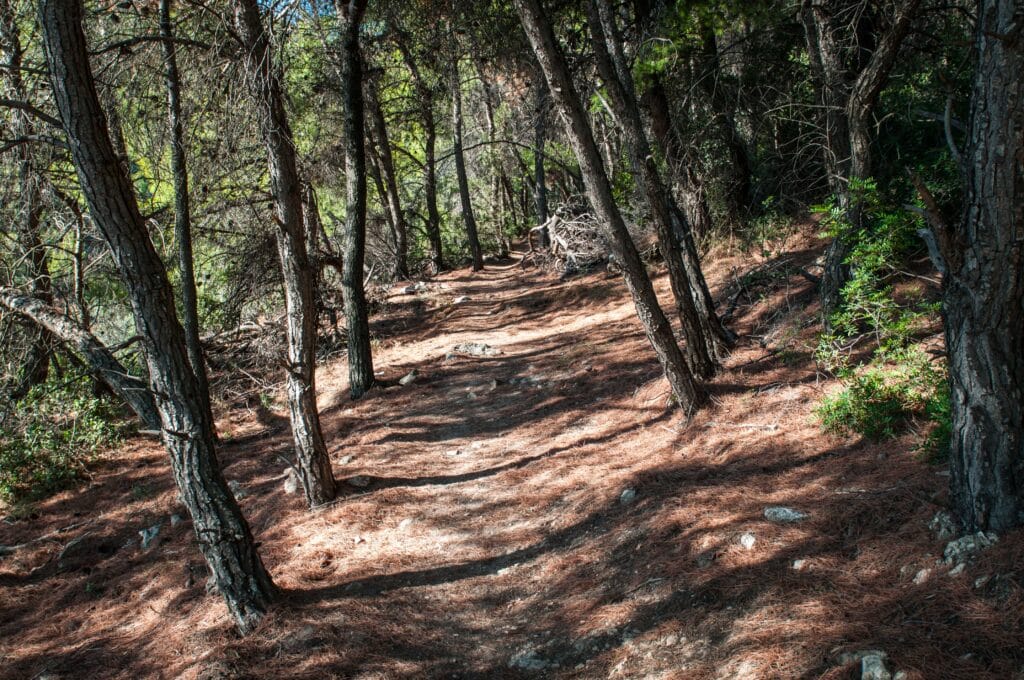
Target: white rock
345,460
462,299
176,520
872,667
943,525
409,378
291,483
967,547
922,576
406,523
784,515
149,535
799,565
237,490
627,496
748,540
957,570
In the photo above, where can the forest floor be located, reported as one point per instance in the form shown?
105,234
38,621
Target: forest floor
535,513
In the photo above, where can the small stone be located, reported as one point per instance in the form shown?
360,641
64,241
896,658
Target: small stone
461,300
872,667
359,481
453,453
291,483
784,515
406,523
345,460
627,496
149,535
922,576
671,641
799,565
176,519
409,378
966,548
981,581
471,396
237,490
943,525
476,349
748,540
957,570
900,675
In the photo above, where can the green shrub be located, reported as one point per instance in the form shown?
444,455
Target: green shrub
48,438
898,385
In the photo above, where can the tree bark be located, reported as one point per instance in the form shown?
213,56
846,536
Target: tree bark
468,218
223,534
95,354
390,179
182,215
360,358
314,464
984,286
540,188
623,102
688,394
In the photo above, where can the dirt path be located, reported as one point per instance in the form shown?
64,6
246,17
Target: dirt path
538,513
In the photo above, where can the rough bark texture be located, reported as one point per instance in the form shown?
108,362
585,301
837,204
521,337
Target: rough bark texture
538,29
314,465
223,534
390,180
984,287
95,354
468,218
182,216
360,359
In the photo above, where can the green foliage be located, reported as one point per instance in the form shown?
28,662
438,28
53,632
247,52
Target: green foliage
769,231
47,440
897,385
881,401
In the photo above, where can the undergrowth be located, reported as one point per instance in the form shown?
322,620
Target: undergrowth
48,438
897,386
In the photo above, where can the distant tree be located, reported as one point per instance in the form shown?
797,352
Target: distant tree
221,530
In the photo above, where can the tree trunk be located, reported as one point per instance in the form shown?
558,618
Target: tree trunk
430,186
984,286
688,394
460,171
659,201
314,465
223,534
387,167
95,354
360,359
182,216
540,188
36,366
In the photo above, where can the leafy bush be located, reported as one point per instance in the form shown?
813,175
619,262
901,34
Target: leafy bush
898,385
881,401
48,438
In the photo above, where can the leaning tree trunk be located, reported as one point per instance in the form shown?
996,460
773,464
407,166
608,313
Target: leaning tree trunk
314,465
685,389
95,354
984,286
360,359
619,84
460,171
182,216
223,534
